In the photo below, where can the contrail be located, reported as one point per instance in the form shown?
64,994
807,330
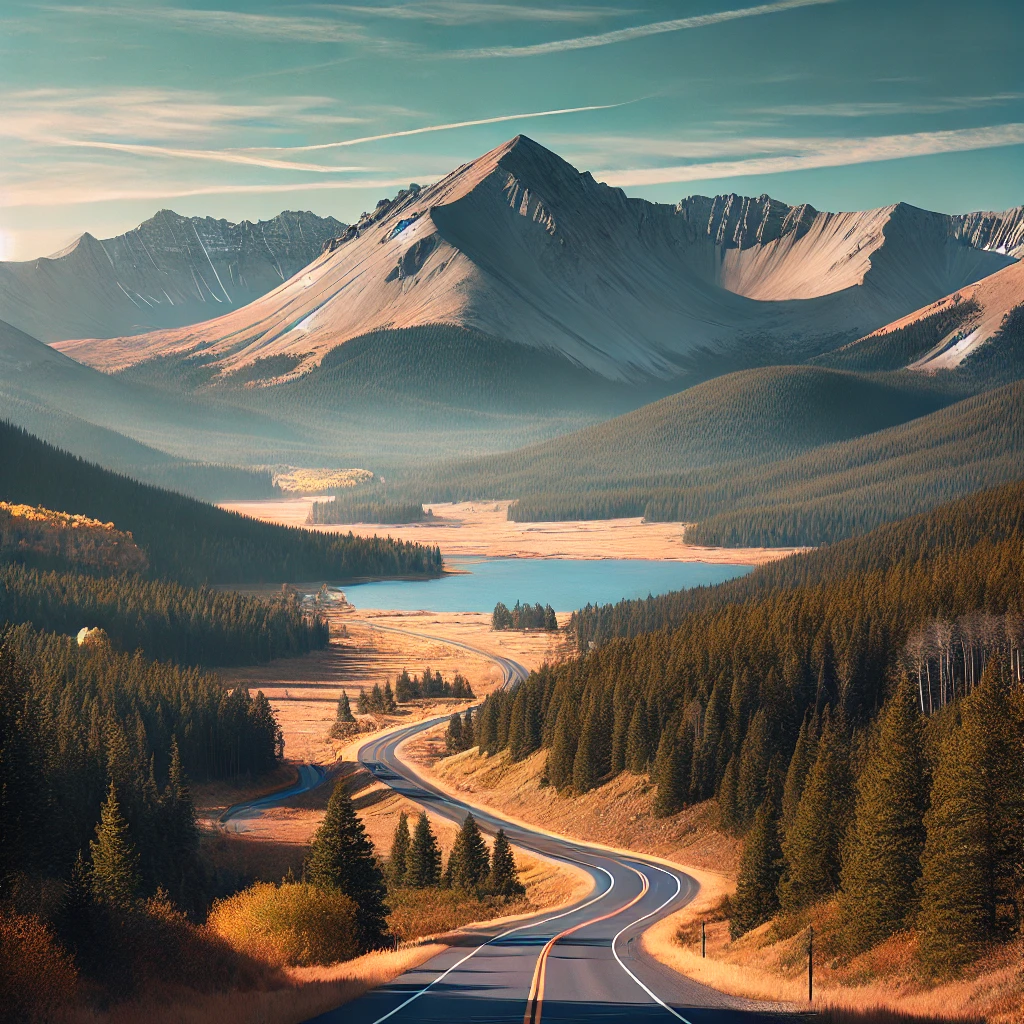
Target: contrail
623,35
214,155
448,127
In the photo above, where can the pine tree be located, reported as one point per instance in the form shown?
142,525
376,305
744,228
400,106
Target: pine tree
586,765
424,856
363,702
800,764
468,737
563,748
882,864
398,862
753,769
638,750
344,709
115,871
468,863
453,735
388,704
504,879
341,857
727,796
671,773
813,846
971,869
756,898
183,875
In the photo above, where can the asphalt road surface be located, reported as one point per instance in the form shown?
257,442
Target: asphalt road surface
579,964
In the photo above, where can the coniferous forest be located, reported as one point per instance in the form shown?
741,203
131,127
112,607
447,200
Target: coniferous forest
857,712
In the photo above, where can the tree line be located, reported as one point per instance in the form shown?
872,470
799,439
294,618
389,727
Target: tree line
524,616
431,684
415,860
757,680
192,542
350,509
168,621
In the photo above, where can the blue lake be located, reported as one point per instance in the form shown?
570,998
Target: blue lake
565,584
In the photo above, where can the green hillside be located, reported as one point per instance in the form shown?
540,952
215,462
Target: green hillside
187,540
749,417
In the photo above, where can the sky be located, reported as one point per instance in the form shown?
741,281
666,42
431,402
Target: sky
112,110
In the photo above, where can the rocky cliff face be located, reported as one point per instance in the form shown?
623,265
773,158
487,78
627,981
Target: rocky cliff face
739,222
999,232
170,271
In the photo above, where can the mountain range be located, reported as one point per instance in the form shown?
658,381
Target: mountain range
167,272
521,247
617,353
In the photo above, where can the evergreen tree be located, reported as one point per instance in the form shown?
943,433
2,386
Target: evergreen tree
972,861
671,772
563,748
468,863
504,879
813,846
182,870
424,856
882,864
586,765
753,769
800,764
398,863
468,734
453,735
728,811
341,857
388,705
756,898
115,871
344,713
638,750
363,702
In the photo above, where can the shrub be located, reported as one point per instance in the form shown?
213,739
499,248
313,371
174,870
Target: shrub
37,977
293,924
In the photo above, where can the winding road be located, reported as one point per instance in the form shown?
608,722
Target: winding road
578,964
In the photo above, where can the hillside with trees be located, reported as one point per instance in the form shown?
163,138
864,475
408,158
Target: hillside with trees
781,695
189,541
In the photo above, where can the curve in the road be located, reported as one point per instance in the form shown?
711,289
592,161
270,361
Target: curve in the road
587,967
235,817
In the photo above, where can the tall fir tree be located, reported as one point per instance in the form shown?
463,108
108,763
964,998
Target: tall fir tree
586,765
882,863
183,872
972,867
503,879
398,862
115,862
563,748
813,846
344,712
671,773
424,856
468,863
468,730
757,899
453,735
800,764
342,857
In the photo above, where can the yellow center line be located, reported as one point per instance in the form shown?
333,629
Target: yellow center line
535,1000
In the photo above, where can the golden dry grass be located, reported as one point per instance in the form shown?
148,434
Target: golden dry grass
483,528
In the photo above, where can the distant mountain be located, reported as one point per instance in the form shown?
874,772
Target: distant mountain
521,247
168,272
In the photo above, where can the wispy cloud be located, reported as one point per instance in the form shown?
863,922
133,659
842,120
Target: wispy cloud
276,27
817,153
465,12
75,194
638,31
943,105
441,128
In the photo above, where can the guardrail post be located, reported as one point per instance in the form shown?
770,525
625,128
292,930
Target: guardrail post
810,965
703,941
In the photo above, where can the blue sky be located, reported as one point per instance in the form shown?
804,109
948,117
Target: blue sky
112,110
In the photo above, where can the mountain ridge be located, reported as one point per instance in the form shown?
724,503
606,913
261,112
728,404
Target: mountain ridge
167,272
521,246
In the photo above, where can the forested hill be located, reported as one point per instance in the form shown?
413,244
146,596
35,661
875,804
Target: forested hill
189,541
765,694
993,517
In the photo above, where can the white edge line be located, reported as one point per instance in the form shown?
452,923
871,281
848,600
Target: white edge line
522,927
679,887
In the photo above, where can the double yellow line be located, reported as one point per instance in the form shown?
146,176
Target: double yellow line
534,1003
